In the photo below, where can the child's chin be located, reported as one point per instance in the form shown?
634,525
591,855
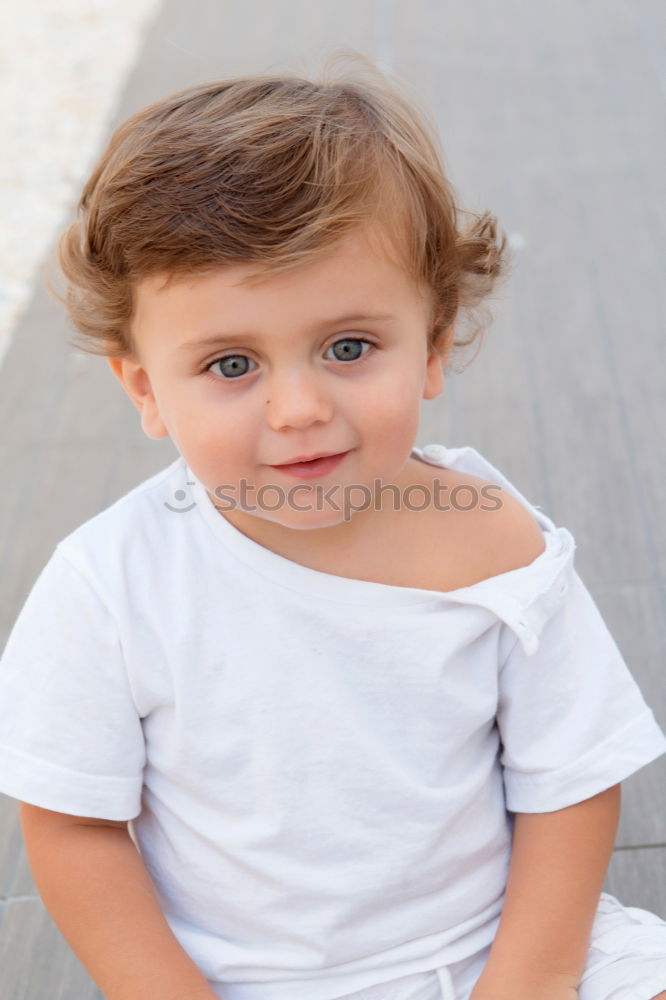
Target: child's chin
308,520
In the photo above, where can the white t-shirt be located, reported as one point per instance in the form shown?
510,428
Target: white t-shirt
317,769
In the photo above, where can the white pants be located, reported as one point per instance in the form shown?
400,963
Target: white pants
626,961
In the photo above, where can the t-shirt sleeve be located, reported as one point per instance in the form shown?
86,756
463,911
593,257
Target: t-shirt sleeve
571,718
71,738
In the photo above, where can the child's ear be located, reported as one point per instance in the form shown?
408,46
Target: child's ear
434,380
134,380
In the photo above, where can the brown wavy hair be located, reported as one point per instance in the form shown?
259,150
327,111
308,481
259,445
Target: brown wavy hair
272,170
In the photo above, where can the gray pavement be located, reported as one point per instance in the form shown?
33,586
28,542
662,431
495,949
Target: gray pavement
552,117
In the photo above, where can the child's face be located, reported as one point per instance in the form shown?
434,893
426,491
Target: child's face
280,388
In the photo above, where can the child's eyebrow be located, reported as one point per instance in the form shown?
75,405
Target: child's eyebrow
222,338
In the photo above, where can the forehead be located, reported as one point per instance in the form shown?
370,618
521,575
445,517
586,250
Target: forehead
364,261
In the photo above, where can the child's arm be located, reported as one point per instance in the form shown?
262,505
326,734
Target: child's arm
96,888
558,865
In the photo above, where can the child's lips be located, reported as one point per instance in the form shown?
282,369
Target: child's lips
310,470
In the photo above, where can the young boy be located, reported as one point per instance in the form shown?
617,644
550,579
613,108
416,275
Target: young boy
297,669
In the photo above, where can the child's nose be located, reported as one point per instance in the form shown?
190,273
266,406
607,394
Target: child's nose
297,398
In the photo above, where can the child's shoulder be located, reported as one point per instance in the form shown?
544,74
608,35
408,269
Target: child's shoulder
479,526
135,522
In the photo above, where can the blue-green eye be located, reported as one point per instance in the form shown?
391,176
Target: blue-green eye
233,366
350,349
